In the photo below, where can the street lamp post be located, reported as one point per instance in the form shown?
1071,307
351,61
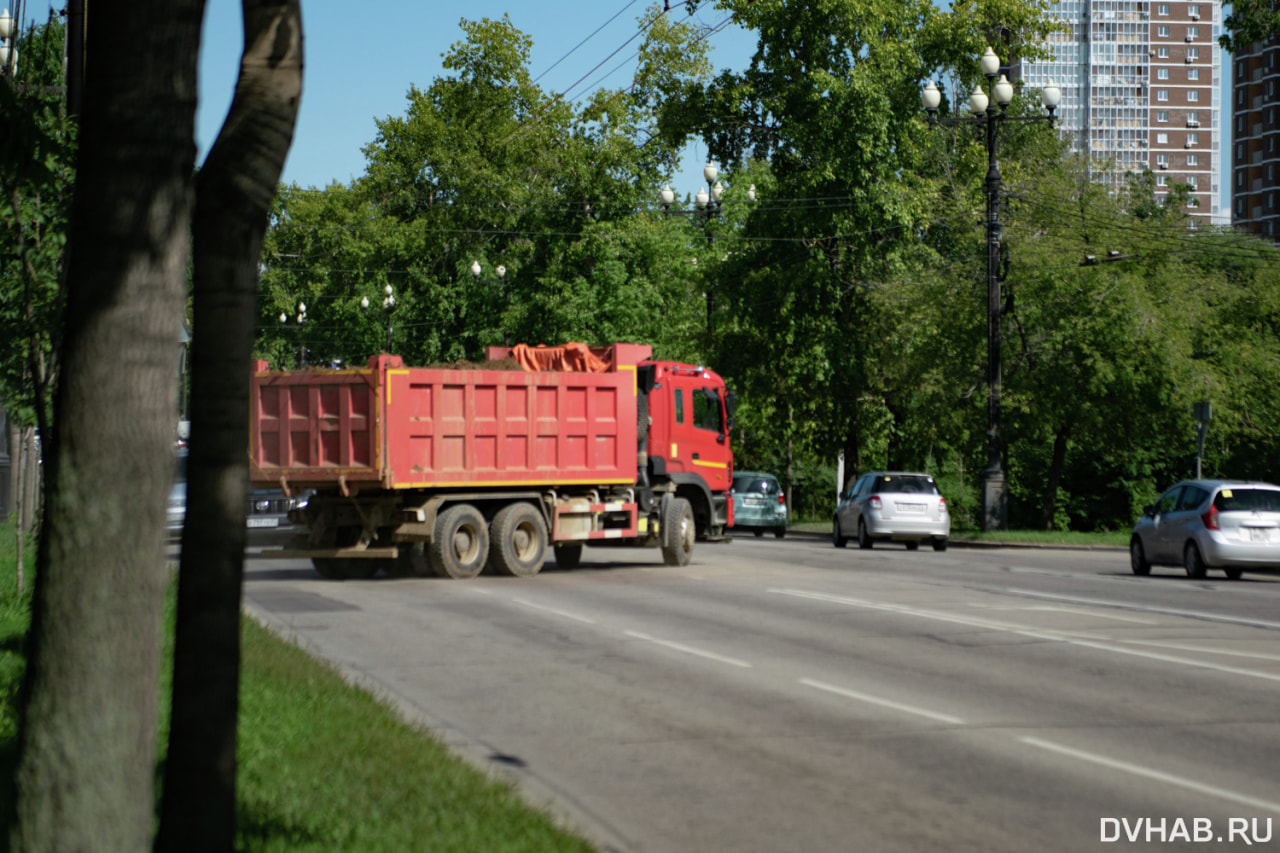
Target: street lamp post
388,305
302,321
706,206
991,112
501,272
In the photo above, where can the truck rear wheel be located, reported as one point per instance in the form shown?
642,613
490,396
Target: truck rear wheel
678,532
517,541
460,544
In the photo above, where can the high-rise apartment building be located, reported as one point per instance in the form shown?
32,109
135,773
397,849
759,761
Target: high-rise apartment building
1255,101
1140,84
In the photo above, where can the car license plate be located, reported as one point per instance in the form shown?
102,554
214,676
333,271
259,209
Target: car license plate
910,507
753,501
264,522
1259,534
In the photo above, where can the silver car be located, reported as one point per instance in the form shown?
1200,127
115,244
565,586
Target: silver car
1202,524
892,506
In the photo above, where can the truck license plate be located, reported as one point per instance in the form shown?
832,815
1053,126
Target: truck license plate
264,522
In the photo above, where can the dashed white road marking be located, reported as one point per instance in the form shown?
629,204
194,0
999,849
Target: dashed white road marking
553,611
886,703
1157,775
689,650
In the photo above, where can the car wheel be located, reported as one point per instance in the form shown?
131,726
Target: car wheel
864,539
1193,562
837,538
913,545
780,532
1138,558
1233,572
940,544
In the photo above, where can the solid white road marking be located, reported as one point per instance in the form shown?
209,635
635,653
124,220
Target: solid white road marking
1168,611
887,703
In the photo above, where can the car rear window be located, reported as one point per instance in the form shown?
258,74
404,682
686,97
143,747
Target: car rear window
907,485
1248,500
757,485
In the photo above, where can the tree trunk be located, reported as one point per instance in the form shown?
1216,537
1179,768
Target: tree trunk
233,195
86,766
1049,505
30,479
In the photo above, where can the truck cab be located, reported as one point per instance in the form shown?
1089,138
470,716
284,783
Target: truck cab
688,443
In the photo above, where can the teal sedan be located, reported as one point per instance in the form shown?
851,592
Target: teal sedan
759,503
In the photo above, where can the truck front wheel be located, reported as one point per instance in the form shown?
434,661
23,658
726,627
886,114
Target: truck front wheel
460,543
517,541
678,532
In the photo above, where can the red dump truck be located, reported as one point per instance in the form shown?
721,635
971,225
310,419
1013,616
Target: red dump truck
457,469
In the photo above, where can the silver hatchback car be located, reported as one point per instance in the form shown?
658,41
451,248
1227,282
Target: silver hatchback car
1203,524
892,505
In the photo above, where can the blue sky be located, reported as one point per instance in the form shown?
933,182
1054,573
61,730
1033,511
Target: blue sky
361,60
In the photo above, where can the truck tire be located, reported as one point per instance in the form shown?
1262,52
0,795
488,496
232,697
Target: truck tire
411,563
460,543
678,532
517,541
568,556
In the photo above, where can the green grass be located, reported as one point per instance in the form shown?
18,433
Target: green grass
1009,537
323,766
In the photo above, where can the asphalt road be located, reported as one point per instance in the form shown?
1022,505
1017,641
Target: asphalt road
783,695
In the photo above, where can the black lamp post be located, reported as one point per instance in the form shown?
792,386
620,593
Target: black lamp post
302,321
501,272
388,305
991,112
706,206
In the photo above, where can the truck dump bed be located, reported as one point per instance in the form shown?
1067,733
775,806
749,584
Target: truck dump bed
396,427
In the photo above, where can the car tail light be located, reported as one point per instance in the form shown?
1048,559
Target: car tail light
942,505
782,499
874,503
1210,518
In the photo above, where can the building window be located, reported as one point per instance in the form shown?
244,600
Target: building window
1193,32
1162,53
1193,159
1162,115
1162,73
1193,182
1162,139
1162,94
1162,160
1271,201
1193,118
1240,180
1193,95
1162,9
1193,73
1194,11
1193,53
1162,180
1193,139
1271,146
1162,32
1239,151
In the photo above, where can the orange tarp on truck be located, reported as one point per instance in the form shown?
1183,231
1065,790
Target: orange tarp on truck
566,358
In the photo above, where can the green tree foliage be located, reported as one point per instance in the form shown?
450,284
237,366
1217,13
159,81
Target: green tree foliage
1250,22
36,156
485,166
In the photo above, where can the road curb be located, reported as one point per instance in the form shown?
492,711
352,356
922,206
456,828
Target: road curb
976,545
